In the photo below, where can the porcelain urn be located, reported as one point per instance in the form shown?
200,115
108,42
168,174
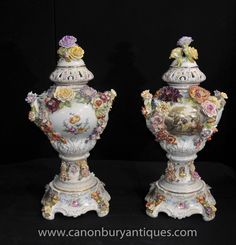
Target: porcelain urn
73,115
182,116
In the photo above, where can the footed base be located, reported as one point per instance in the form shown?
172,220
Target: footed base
75,203
179,204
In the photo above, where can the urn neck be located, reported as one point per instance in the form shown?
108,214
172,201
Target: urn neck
183,87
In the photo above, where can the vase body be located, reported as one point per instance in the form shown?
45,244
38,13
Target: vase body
73,116
182,116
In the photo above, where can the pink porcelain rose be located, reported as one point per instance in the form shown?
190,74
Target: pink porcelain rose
209,108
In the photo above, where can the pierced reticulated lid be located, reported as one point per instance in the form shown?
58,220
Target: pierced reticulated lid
184,71
71,69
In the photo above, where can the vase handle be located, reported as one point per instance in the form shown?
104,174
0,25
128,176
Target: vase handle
147,98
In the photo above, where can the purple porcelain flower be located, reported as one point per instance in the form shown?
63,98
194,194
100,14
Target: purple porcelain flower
68,41
88,92
182,205
184,41
168,93
195,175
31,97
75,203
209,210
209,108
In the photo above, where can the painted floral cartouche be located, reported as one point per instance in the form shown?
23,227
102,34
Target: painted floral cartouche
73,116
182,116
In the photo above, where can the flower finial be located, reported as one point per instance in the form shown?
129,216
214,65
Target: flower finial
69,49
68,41
184,52
184,41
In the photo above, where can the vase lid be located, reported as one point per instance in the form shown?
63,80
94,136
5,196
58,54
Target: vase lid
184,71
71,69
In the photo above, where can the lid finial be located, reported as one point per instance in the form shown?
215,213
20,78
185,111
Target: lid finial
184,52
69,50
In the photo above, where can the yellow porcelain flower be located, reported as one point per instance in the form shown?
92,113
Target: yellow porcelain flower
72,53
213,208
75,53
215,101
224,95
113,92
63,93
62,52
191,53
163,107
32,116
146,95
54,199
176,53
47,210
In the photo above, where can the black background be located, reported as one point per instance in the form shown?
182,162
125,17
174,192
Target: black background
127,45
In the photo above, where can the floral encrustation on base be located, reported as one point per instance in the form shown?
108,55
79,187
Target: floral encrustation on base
102,203
159,200
182,116
210,209
152,204
75,203
50,200
73,116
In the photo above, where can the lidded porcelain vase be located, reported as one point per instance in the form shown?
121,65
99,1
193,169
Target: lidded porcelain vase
73,115
182,116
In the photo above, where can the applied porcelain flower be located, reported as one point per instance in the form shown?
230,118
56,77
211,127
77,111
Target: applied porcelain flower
157,121
184,52
72,53
52,104
146,94
68,41
97,102
168,93
191,53
64,94
113,92
32,116
31,97
176,53
209,108
184,41
75,53
88,92
223,95
215,101
198,94
162,106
